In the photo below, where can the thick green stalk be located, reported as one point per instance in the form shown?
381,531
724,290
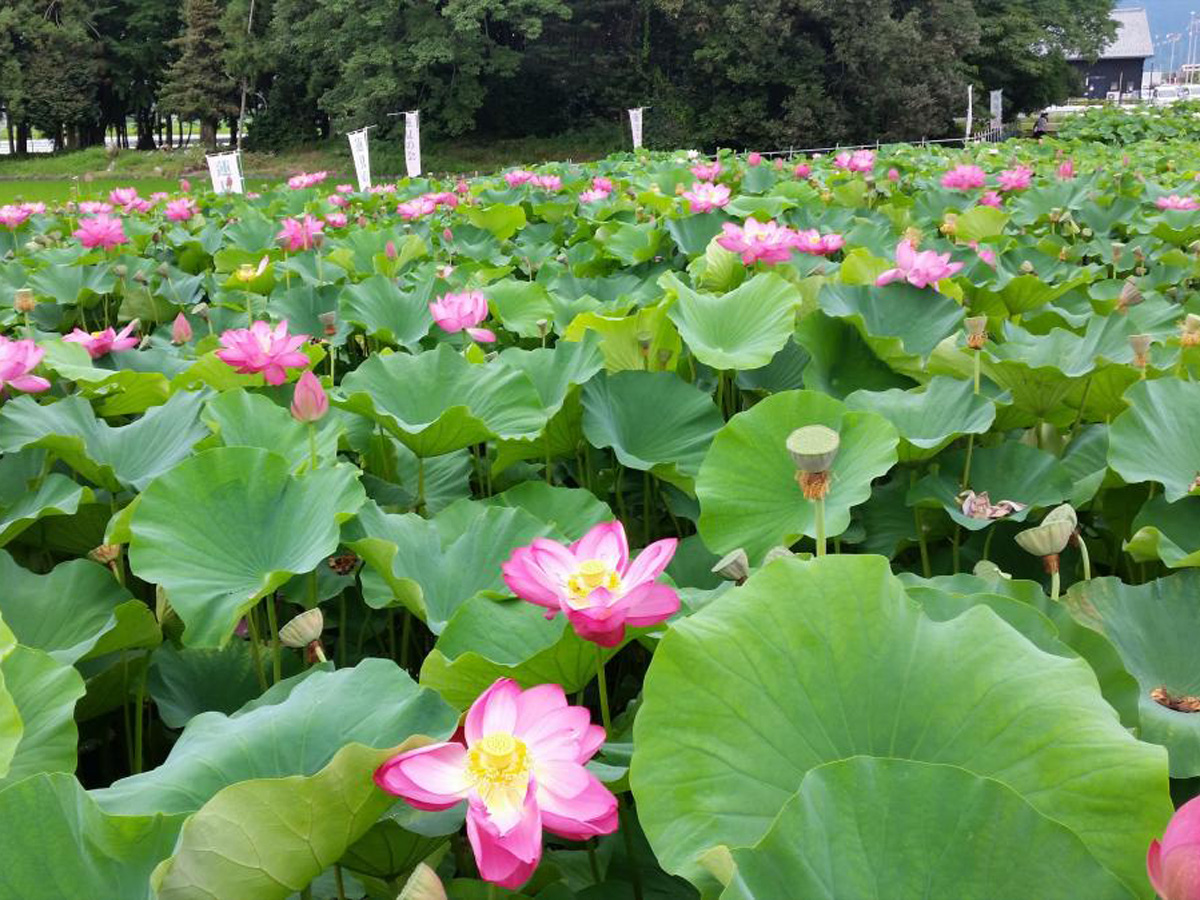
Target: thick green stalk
603,687
276,653
819,515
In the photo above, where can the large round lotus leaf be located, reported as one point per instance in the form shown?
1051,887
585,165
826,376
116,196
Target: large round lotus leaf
814,662
184,682
386,312
570,511
840,361
929,419
1156,438
268,838
295,728
622,338
1169,532
45,693
747,487
894,829
132,454
742,329
230,525
437,401
24,499
94,854
1156,629
74,611
554,371
242,419
901,323
653,421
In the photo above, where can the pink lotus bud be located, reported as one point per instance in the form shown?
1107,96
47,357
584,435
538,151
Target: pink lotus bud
779,164
447,235
181,330
389,249
893,175
185,185
1174,864
754,159
309,401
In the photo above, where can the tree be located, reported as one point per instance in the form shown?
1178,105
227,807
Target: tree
196,85
136,36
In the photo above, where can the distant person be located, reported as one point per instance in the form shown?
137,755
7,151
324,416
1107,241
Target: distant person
1042,126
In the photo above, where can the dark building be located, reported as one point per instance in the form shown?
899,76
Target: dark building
1119,68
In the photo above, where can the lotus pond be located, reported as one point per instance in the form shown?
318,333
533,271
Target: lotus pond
664,527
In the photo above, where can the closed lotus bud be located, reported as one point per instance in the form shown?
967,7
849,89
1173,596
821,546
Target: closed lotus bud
310,403
1174,863
120,270
1130,296
1141,346
24,301
423,884
105,554
734,566
976,331
1190,336
775,553
304,629
181,330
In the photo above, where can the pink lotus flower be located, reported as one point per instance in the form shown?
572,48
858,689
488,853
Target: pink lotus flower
17,360
337,200
517,177
594,582
185,185
600,183
442,198
592,196
1185,204
309,400
754,159
382,189
1066,169
122,196
520,767
1017,179
261,348
12,217
779,164
99,343
181,210
893,174
181,330
300,234
94,207
101,231
159,196
985,253
336,220
758,240
706,196
389,249
444,271
1174,864
918,269
991,198
34,209
138,204
462,187
415,208
802,170
814,243
306,180
980,506
964,178
345,188
858,161
707,171
461,312
546,182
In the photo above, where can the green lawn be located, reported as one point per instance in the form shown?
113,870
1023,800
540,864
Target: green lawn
53,190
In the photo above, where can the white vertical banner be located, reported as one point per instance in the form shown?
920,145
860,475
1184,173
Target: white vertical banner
412,143
361,152
997,109
225,171
635,125
970,108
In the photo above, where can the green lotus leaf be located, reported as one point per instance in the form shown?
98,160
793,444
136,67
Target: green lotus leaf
747,486
1155,628
1025,293
653,421
840,361
184,682
268,838
629,242
110,457
1106,338
44,692
433,566
571,512
386,312
295,728
392,847
121,391
623,339
74,612
438,402
1155,439
1169,532
979,223
109,855
929,419
821,661
230,525
502,220
896,828
242,419
742,329
1086,461
520,305
554,371
71,285
22,504
692,234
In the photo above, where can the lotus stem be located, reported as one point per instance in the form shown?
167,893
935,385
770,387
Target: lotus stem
627,834
312,446
494,892
987,542
139,708
593,864
405,634
926,570
337,877
603,687
977,367
819,515
306,893
647,487
1054,584
420,485
341,644
255,651
276,655
954,547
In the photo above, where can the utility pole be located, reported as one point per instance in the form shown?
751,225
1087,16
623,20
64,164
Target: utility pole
242,111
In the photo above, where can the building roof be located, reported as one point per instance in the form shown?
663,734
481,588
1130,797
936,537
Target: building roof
1133,40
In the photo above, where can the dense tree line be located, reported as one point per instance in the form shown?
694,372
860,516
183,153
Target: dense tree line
768,73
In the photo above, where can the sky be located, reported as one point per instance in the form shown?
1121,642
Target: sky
1166,17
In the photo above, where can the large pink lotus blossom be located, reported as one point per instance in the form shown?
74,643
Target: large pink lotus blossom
601,183
442,198
306,180
337,200
517,177
94,207
858,161
707,171
101,231
1066,169
754,159
261,348
34,209
382,189
520,767
462,312
300,234
1174,864
919,269
344,188
594,582
99,343
180,210
17,360
12,216
1185,204
122,196
964,178
1018,179
415,208
706,196
592,196
336,220
802,170
756,240
814,243
991,198
547,182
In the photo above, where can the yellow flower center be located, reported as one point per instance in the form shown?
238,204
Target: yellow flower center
590,575
499,766
97,334
246,272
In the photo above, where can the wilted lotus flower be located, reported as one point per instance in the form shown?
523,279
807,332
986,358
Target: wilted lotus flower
1190,330
734,566
976,331
1174,864
1130,296
1141,347
247,272
24,301
980,506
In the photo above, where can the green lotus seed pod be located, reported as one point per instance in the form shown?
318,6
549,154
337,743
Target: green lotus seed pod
813,447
